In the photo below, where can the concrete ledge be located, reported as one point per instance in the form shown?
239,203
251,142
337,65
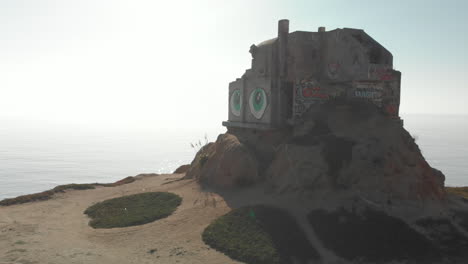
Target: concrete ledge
248,125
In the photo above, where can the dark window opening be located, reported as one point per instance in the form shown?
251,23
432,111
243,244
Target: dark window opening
375,56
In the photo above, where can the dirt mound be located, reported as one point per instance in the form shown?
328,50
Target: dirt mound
225,163
182,169
343,155
337,147
355,147
349,146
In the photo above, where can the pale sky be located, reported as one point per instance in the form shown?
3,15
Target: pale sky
169,63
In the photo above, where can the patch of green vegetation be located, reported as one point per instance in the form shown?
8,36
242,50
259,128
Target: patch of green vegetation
131,210
372,236
460,191
20,242
73,186
259,235
46,195
126,180
27,198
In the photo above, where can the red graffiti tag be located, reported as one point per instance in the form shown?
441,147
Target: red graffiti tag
313,92
384,74
391,109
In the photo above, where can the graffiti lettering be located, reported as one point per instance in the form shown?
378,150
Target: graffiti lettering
384,74
313,92
381,73
310,89
367,94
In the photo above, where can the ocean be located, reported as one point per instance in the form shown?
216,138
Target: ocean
35,157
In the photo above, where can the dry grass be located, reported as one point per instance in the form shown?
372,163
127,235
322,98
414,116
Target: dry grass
46,195
126,180
73,186
460,191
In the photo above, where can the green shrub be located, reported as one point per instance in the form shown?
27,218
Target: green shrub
73,186
27,198
46,195
126,180
131,210
259,235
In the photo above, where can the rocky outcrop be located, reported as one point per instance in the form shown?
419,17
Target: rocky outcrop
337,147
225,163
356,176
355,147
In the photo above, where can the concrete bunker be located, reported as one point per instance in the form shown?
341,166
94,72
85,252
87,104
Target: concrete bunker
294,71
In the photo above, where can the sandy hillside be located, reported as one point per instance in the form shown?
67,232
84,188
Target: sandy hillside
57,231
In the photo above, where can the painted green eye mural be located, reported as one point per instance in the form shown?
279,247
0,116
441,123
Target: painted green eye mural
236,103
258,102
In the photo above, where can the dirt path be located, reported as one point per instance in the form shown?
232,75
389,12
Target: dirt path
57,231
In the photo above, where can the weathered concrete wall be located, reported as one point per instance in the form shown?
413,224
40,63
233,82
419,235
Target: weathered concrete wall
297,70
341,63
257,88
263,62
236,101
